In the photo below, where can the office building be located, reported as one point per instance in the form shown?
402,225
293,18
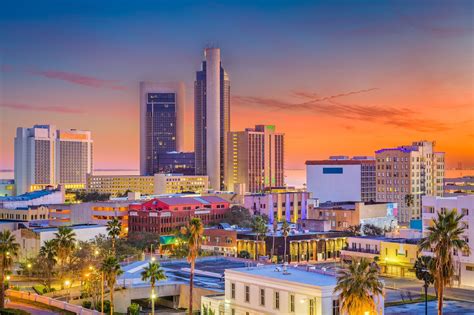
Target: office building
165,215
270,289
46,156
406,173
211,118
342,215
342,179
255,159
178,183
458,186
119,185
176,162
279,204
464,260
161,122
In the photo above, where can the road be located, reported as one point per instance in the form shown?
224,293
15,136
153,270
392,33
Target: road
32,309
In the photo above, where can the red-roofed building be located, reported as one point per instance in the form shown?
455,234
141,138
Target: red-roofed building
164,215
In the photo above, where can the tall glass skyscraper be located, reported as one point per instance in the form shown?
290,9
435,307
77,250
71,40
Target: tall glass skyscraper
161,122
211,118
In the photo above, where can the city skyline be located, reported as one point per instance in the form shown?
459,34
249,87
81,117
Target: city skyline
336,80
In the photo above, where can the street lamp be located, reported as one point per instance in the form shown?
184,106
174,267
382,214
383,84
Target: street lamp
426,275
66,284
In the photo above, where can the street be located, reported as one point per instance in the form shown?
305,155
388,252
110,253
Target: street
32,309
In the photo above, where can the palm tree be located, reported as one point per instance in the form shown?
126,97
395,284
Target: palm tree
275,229
153,273
194,233
65,242
444,237
358,285
285,228
259,226
114,228
409,200
111,269
8,249
47,254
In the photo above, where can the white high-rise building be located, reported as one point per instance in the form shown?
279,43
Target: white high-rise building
46,156
161,122
212,118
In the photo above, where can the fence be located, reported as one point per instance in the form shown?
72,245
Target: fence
51,302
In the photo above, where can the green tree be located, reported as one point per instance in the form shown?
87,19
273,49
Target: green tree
239,215
358,285
244,254
444,237
372,230
285,229
274,231
153,273
65,243
47,256
134,309
114,228
354,229
8,249
111,269
424,269
259,227
194,232
409,200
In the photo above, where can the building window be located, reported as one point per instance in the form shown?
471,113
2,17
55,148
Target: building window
277,300
247,293
292,303
335,307
232,290
232,311
262,297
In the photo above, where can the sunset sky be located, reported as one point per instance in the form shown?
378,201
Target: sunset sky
337,77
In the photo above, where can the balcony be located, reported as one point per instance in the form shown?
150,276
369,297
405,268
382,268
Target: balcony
362,250
360,253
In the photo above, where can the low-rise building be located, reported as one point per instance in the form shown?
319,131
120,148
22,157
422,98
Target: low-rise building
272,290
7,187
29,213
458,186
279,204
341,215
220,241
179,183
464,260
164,215
395,256
31,239
119,185
35,198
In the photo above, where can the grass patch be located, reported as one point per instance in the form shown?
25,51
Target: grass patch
417,300
43,306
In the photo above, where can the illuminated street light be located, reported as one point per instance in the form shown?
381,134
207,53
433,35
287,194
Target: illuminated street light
96,252
153,258
28,266
8,278
91,267
67,283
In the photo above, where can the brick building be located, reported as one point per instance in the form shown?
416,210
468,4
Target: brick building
164,215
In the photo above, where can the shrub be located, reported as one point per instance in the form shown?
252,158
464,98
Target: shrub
87,304
134,309
11,311
106,307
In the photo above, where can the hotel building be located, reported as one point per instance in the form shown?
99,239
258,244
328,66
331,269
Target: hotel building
272,289
464,261
46,156
458,186
165,215
161,122
342,179
406,173
118,185
211,118
177,183
279,204
255,159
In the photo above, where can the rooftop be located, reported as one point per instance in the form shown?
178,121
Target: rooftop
390,239
29,195
74,227
297,276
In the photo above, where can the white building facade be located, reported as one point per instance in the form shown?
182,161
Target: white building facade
463,205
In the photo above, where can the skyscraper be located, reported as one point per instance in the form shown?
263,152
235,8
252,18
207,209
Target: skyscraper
211,118
161,122
406,173
255,158
46,156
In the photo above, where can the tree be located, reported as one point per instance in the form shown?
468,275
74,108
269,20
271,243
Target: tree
244,254
274,231
424,269
285,229
354,230
153,273
444,237
91,196
239,215
259,227
372,230
194,232
409,200
114,228
111,269
65,242
47,256
8,249
358,285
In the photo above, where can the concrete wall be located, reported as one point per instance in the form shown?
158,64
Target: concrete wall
124,297
197,294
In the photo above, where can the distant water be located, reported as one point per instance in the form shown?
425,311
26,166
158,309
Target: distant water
296,178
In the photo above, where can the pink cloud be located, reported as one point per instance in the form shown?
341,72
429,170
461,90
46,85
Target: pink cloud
80,79
53,109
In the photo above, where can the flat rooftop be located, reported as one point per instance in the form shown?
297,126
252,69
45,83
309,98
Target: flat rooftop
295,275
390,239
